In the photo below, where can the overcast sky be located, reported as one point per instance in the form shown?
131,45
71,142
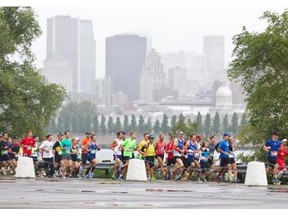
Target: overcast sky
173,24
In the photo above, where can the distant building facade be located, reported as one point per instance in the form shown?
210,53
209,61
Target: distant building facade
125,58
152,79
57,70
214,51
73,39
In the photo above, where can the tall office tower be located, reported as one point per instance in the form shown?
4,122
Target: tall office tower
194,65
152,79
213,48
125,58
178,81
73,39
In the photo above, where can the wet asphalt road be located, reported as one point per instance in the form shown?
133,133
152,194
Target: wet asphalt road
109,194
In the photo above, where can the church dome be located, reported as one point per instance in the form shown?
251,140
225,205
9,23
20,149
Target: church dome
224,96
224,91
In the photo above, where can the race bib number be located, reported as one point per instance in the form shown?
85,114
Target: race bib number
231,155
93,151
5,152
196,155
274,153
29,148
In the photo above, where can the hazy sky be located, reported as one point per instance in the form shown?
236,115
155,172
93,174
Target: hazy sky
173,24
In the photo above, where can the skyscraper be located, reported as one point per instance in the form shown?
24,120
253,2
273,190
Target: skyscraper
213,48
194,65
73,39
152,79
125,58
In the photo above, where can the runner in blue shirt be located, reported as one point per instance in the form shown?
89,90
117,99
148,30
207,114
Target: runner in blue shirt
271,147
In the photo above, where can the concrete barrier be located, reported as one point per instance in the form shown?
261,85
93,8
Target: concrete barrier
256,174
136,170
25,168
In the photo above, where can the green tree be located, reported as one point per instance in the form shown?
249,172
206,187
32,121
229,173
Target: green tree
96,128
156,127
133,125
186,125
199,123
164,125
181,118
103,128
148,126
78,117
260,66
207,125
118,125
216,124
110,125
173,120
126,123
225,124
28,101
141,125
243,120
234,123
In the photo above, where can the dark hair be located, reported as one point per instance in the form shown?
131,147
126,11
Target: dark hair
34,136
92,135
192,135
28,131
66,132
212,137
145,134
48,135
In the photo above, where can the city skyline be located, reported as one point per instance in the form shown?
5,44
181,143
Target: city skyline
170,33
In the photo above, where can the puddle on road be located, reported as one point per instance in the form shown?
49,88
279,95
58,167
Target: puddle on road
87,191
119,192
278,190
169,190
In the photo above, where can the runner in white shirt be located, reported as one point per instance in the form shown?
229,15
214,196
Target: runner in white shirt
117,148
47,148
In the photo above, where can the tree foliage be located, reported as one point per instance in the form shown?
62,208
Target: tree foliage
225,124
156,127
234,123
164,125
260,66
141,125
28,101
207,125
216,124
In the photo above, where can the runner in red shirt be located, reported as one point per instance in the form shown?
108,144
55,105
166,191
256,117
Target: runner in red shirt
160,147
282,153
170,158
27,143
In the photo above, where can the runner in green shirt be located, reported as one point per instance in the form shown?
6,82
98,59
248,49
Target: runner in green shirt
129,146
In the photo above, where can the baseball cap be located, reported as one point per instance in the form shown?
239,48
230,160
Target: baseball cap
77,138
198,136
284,140
226,134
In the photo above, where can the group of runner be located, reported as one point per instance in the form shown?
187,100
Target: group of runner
64,158
176,159
184,159
276,153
